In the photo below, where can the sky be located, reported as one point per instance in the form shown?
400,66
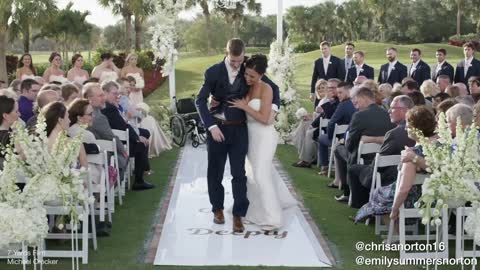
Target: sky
103,16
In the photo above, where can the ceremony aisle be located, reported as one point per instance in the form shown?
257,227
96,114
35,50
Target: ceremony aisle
189,236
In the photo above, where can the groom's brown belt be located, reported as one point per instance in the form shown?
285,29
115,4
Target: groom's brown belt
229,122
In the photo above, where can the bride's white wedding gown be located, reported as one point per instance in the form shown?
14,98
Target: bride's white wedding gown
268,196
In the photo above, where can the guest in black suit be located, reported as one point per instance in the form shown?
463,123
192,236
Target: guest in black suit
348,62
138,138
360,68
392,72
370,120
442,67
395,140
419,70
326,67
469,66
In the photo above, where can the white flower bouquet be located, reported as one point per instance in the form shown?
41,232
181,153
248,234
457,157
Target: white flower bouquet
301,113
453,167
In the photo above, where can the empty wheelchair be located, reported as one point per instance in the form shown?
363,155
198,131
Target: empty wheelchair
186,122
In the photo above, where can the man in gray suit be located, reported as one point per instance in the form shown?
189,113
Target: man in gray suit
369,120
100,126
360,176
348,60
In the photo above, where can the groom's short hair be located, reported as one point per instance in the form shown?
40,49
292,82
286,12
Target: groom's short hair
235,47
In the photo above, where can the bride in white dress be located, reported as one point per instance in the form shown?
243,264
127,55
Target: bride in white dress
268,196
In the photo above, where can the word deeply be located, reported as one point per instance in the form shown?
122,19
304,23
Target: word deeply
246,234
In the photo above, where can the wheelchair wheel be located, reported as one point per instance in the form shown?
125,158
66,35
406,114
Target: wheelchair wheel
195,141
177,126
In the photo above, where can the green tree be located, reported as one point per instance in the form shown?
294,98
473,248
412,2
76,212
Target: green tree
235,16
125,9
112,40
381,10
195,39
206,14
5,14
27,14
67,26
141,10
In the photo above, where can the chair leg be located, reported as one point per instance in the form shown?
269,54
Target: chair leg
330,161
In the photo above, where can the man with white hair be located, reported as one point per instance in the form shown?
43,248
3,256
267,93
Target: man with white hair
463,88
462,112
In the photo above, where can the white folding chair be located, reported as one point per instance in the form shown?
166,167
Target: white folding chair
338,130
123,135
323,124
111,148
461,236
61,210
101,188
365,149
380,162
414,213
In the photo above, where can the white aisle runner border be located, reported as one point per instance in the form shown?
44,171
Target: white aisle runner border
189,237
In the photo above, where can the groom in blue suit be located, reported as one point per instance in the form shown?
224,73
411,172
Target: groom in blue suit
227,130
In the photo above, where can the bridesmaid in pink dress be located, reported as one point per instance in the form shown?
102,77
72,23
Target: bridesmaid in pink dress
76,74
25,68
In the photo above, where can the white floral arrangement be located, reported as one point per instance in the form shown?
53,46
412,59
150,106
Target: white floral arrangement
164,33
139,81
301,113
453,167
49,176
281,66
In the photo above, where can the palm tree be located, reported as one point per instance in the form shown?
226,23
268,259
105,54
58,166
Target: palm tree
5,13
206,13
235,16
141,10
29,13
125,9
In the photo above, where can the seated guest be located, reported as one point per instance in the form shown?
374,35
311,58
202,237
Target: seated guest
100,125
467,100
138,139
417,98
445,105
386,90
453,91
463,88
52,86
15,86
370,120
443,81
462,112
57,122
409,86
69,93
80,114
29,89
359,80
43,98
474,85
326,91
395,140
8,116
386,200
429,90
439,98
342,116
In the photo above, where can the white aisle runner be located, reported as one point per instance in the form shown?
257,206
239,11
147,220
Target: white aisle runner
189,236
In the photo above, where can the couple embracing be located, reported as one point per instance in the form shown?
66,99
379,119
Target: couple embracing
240,126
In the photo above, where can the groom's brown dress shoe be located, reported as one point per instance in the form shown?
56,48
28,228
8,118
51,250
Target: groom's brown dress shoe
218,217
237,224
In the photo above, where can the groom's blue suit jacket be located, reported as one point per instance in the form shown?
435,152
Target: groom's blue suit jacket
217,84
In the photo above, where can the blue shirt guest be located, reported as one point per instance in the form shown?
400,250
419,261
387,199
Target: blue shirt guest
29,89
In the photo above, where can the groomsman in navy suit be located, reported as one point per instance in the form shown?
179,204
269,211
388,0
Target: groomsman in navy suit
326,67
392,72
348,60
468,67
419,70
360,68
442,67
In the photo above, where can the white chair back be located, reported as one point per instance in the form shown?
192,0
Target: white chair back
367,148
338,130
323,124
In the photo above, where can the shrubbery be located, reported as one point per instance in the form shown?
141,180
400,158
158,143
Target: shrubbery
145,58
304,47
462,39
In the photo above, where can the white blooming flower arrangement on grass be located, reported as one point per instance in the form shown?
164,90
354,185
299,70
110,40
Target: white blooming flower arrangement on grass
49,176
164,32
281,66
454,168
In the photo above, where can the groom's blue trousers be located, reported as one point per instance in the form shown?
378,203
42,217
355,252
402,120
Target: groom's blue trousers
235,147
